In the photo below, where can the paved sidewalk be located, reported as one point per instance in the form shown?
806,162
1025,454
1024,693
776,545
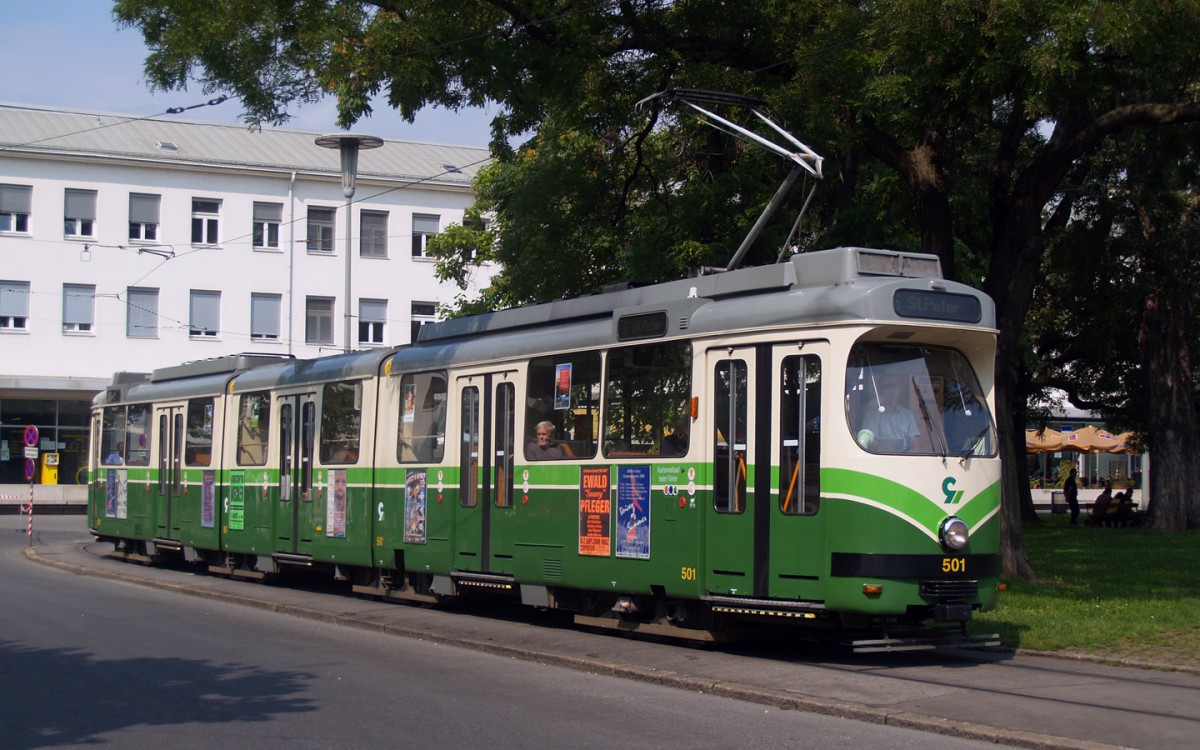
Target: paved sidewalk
1016,700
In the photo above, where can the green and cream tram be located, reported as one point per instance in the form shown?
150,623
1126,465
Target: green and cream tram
808,444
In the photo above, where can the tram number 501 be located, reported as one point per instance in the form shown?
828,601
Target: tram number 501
687,574
954,565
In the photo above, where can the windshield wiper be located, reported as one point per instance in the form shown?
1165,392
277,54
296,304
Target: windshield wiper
943,448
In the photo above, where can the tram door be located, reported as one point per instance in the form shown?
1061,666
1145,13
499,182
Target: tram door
485,513
169,422
296,431
764,406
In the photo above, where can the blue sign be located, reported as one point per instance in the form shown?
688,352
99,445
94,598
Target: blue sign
31,436
30,468
633,512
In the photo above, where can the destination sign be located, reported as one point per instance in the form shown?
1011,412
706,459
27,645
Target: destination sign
921,303
644,326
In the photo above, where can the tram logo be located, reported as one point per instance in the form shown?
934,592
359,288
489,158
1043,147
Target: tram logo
952,497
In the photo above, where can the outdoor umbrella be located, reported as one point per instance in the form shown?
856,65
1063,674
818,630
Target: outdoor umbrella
1045,441
1122,445
1089,439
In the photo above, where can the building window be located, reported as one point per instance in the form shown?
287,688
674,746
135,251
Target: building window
14,305
204,314
320,230
143,217
318,320
205,221
79,308
267,217
14,207
372,314
79,214
422,314
424,227
373,228
141,313
264,317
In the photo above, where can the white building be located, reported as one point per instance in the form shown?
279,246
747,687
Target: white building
128,244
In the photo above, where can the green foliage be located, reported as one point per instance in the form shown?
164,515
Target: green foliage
957,127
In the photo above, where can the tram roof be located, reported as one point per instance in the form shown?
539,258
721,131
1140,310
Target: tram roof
828,286
841,265
347,366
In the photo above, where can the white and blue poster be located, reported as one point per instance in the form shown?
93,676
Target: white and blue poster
115,497
633,512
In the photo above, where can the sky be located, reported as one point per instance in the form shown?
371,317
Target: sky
71,54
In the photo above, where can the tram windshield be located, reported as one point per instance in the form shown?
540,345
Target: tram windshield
904,398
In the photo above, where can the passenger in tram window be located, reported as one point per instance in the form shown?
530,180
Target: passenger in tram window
114,456
544,445
890,428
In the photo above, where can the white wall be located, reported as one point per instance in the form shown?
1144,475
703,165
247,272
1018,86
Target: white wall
47,260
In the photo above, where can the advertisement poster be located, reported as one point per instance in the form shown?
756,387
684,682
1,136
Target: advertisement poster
562,386
408,413
115,499
237,500
633,512
414,507
335,508
595,512
208,506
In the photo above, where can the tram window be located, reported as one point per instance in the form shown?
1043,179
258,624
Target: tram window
563,390
138,432
648,390
287,451
112,436
468,494
341,421
800,435
505,443
422,434
908,398
199,432
730,410
254,425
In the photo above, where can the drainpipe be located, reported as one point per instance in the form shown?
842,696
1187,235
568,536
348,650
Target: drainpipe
291,257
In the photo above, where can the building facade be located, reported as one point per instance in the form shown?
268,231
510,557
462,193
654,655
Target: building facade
129,244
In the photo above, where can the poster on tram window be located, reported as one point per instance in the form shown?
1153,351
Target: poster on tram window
335,507
633,512
414,507
562,386
595,512
208,504
115,499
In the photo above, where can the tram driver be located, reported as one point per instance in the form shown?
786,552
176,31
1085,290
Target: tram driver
891,427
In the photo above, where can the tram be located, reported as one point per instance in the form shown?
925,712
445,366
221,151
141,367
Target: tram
808,444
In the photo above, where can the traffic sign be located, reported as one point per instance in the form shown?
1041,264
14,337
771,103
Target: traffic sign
31,436
30,469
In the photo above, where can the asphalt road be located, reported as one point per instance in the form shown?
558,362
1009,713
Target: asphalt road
1019,700
100,662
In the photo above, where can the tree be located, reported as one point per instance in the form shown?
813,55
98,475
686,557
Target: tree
954,121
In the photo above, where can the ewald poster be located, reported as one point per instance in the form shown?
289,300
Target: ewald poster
595,512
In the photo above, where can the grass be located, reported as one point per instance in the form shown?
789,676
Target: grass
1121,594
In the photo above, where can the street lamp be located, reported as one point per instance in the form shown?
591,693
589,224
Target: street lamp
348,144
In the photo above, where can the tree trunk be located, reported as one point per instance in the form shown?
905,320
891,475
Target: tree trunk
1167,370
1015,262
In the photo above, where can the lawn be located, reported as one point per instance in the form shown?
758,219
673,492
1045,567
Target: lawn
1111,593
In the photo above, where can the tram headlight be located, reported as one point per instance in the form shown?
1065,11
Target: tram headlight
954,533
